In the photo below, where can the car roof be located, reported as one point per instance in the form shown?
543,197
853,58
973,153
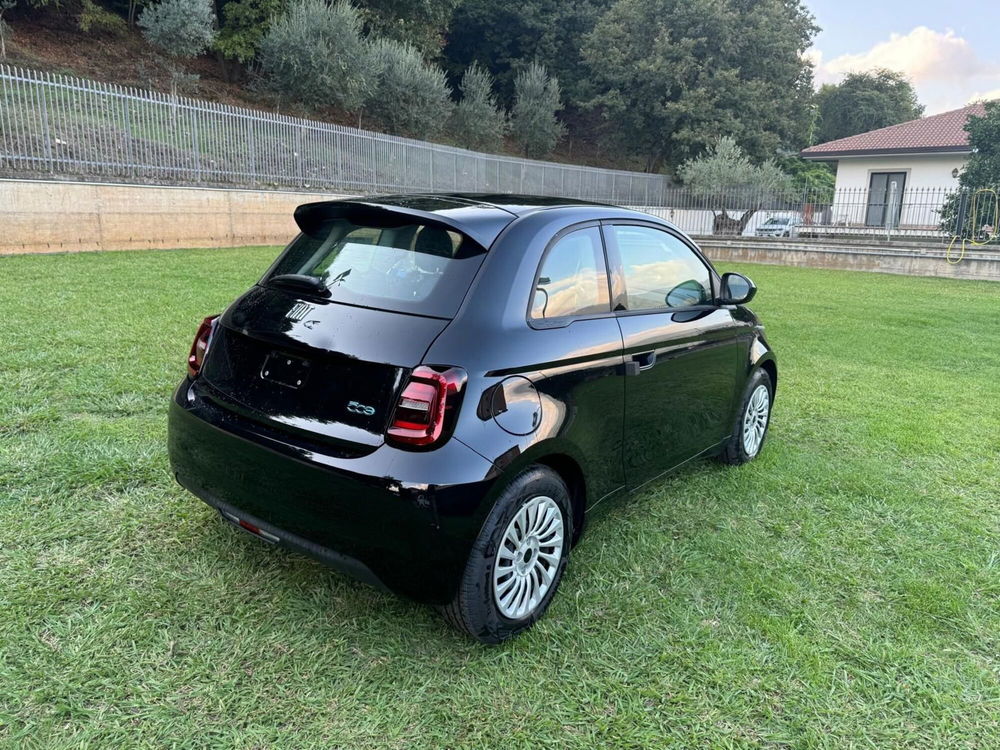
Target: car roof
481,216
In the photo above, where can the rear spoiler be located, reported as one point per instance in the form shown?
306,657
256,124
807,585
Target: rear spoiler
482,224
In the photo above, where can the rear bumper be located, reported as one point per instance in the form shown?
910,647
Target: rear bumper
401,520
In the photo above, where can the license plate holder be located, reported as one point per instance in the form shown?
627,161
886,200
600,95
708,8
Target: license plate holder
285,370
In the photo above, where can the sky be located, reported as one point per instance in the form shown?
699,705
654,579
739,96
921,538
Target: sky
950,49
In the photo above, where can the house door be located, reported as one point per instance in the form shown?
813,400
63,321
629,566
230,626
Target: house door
885,198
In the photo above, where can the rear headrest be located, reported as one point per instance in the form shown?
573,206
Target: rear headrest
434,241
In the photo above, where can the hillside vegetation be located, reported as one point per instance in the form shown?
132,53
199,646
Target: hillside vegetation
633,84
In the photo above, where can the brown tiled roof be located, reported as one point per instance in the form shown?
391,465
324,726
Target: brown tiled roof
943,132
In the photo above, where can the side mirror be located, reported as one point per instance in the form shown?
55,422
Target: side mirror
737,289
686,293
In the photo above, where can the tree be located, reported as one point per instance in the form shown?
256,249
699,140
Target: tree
500,35
477,121
673,74
533,119
244,23
411,97
983,168
5,5
725,177
315,53
816,179
981,171
181,28
421,23
863,102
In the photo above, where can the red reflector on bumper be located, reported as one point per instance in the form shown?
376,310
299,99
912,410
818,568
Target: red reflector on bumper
255,530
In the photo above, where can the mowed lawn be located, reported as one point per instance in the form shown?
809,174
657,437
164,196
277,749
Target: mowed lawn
841,591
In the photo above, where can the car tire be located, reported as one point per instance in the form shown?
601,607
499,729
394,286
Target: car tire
752,420
486,605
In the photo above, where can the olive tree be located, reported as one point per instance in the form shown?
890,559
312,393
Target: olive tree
411,96
724,177
180,29
478,122
316,53
533,120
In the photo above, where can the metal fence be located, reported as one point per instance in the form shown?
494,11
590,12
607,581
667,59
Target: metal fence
52,125
849,213
57,125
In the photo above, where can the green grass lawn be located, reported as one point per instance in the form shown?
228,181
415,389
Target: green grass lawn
843,590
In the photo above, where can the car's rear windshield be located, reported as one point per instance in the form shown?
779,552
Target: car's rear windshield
418,268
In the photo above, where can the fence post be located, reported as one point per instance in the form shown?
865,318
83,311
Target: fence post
341,175
251,121
42,97
195,144
890,210
127,123
298,154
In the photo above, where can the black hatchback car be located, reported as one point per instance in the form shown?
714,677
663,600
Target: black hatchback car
430,392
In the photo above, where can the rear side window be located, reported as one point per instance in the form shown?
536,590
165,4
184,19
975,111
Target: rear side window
416,268
573,279
660,270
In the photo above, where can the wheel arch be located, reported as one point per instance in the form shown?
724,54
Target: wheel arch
762,357
570,472
771,368
558,456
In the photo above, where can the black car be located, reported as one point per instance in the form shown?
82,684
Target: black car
430,392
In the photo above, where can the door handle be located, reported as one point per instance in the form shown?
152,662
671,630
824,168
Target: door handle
645,360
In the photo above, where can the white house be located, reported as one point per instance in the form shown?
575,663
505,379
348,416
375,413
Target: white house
900,175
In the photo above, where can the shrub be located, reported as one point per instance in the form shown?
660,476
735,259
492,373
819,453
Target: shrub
95,18
315,53
411,97
478,122
533,121
181,28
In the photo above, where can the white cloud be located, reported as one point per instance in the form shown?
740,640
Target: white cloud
984,95
945,69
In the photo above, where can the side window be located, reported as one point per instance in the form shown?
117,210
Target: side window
572,279
660,270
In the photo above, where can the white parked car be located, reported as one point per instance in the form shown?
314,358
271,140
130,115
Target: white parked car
779,226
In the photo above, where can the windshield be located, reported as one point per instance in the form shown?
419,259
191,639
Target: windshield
778,221
417,268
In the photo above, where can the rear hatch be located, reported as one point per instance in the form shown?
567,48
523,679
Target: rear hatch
323,346
333,376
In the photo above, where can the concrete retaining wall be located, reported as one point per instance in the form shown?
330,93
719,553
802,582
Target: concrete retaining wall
37,216
978,263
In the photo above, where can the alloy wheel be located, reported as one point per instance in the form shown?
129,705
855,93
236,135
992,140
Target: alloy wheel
528,558
755,419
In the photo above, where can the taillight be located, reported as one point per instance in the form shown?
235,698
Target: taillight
200,346
426,406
